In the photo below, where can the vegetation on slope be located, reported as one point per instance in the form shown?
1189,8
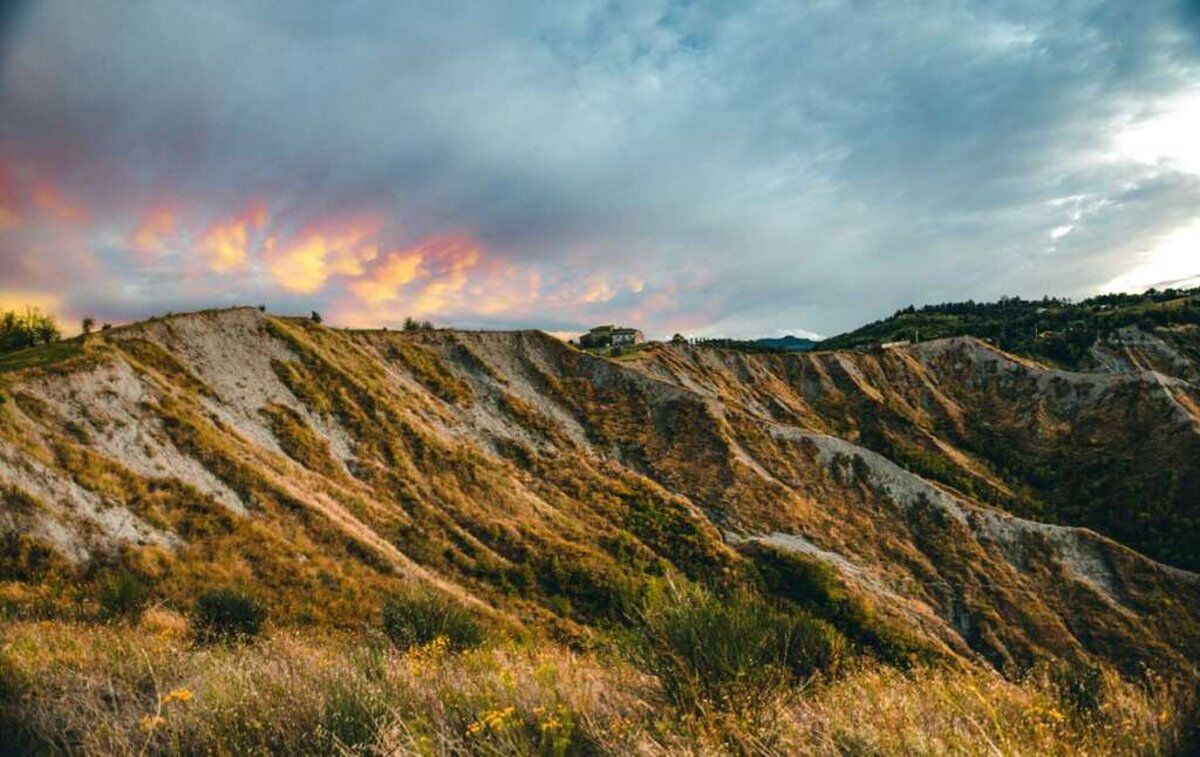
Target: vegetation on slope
436,508
1054,330
1109,451
146,689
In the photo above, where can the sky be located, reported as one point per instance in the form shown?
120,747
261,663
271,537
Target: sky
711,168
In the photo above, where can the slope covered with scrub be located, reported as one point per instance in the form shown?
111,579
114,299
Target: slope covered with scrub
545,482
938,491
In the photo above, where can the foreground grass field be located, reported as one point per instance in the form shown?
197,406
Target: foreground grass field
149,688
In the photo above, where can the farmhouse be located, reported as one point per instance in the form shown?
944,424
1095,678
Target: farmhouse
611,336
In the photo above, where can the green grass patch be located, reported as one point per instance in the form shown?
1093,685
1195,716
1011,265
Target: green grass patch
41,356
416,616
731,653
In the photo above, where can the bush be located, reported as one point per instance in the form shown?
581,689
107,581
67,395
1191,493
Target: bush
225,615
734,653
123,595
1080,687
418,615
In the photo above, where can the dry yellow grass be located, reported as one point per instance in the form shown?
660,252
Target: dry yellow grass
884,711
147,690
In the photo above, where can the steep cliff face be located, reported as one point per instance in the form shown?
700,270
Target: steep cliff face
325,467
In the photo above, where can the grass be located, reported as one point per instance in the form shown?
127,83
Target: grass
729,653
620,353
227,615
417,616
41,356
146,689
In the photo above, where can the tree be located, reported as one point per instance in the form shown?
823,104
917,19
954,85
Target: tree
316,317
41,327
89,323
678,339
20,330
426,325
410,324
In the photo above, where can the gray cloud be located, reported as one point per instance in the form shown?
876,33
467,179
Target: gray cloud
760,166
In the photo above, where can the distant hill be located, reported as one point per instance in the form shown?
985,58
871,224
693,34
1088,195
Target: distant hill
1057,331
787,343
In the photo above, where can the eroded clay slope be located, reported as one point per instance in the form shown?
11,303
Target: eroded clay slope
325,467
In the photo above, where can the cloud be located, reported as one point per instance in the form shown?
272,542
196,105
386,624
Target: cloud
330,247
20,299
225,245
48,199
710,167
151,233
451,261
399,268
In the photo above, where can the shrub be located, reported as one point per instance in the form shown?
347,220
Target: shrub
733,653
417,616
123,595
225,615
1080,687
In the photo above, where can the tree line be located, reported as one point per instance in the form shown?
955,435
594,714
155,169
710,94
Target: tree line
30,327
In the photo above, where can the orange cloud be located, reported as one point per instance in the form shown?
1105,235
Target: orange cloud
323,250
50,200
598,290
225,245
399,267
457,256
439,275
443,262
155,225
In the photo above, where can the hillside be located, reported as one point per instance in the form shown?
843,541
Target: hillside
1053,330
971,507
787,343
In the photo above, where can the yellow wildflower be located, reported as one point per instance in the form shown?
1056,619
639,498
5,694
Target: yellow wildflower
150,722
494,720
178,695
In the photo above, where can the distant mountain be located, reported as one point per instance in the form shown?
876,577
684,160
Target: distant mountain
787,343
